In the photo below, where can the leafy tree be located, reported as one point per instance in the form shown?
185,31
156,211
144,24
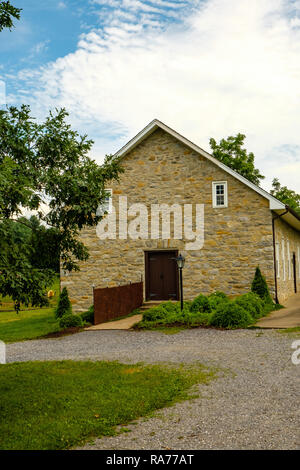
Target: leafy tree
45,168
18,278
260,287
285,195
42,241
64,306
7,13
230,151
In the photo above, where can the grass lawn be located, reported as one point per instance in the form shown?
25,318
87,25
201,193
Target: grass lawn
57,405
28,324
31,322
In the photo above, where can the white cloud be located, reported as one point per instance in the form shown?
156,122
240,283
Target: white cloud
2,93
40,47
61,5
227,67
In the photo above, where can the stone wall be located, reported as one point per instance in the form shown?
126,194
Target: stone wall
285,284
237,238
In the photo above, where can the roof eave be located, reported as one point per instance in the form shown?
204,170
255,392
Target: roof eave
289,216
274,204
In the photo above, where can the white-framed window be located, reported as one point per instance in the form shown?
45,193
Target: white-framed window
106,206
277,259
289,260
283,257
219,194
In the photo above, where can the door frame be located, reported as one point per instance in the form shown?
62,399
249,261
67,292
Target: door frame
147,266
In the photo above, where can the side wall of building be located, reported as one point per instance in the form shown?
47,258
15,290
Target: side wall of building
288,243
237,238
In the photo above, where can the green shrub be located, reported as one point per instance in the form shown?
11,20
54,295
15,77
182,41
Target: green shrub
163,311
195,319
64,306
154,314
252,303
231,315
213,310
216,299
88,316
200,304
260,287
169,313
69,320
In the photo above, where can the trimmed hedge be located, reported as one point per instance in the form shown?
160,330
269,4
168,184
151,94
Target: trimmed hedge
252,303
88,316
169,313
70,320
213,310
216,299
200,304
231,315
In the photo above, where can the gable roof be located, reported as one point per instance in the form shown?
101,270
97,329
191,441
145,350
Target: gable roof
274,204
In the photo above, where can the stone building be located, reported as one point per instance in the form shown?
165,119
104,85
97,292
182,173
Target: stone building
220,222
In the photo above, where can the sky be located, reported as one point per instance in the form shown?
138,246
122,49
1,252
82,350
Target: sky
206,68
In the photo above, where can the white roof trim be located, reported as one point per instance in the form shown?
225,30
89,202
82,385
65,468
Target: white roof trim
289,218
155,124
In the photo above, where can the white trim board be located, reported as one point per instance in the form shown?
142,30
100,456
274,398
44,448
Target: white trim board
274,204
214,195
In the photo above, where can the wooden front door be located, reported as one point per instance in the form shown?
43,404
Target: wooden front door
161,275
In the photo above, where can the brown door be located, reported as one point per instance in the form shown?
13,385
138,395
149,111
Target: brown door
294,270
161,275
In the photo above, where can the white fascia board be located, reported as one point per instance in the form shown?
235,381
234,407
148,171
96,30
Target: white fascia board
274,204
289,218
149,129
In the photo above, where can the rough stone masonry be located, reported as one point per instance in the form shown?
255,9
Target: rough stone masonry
237,238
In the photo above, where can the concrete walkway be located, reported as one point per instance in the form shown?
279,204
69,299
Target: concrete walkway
124,324
288,317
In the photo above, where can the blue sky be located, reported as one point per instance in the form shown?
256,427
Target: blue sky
207,68
46,31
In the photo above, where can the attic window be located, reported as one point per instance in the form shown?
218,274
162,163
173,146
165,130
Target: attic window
219,190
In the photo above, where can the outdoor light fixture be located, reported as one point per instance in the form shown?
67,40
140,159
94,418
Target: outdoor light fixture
180,263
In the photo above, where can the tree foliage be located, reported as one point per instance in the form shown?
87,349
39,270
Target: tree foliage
7,15
18,278
39,241
230,151
285,195
64,306
45,167
259,286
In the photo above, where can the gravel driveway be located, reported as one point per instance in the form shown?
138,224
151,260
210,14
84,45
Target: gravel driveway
255,405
